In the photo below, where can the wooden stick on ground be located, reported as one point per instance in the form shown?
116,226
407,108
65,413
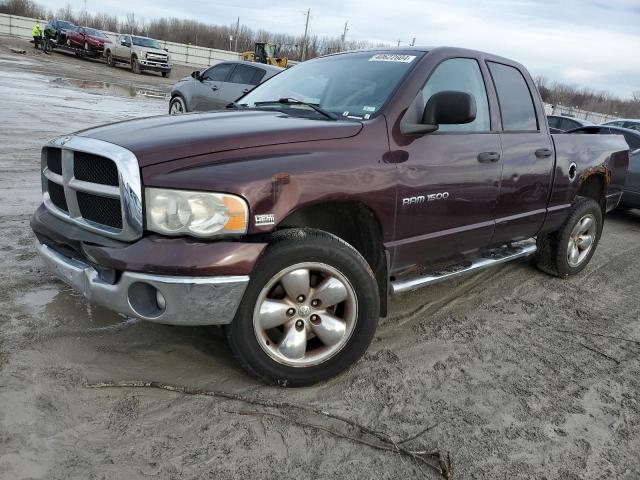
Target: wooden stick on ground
423,458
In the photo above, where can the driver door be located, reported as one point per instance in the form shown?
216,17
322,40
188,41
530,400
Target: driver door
206,92
448,186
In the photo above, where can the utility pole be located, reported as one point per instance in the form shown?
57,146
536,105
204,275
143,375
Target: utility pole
237,33
413,42
344,36
304,40
398,42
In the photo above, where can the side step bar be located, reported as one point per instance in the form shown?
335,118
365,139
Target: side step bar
489,259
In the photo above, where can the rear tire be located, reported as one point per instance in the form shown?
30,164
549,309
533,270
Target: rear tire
316,327
568,251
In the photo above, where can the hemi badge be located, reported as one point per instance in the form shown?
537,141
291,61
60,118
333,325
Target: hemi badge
266,219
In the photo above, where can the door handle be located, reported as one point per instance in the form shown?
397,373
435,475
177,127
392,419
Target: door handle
488,157
214,88
543,153
246,90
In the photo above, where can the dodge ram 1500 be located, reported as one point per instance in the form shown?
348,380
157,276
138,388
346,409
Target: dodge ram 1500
291,217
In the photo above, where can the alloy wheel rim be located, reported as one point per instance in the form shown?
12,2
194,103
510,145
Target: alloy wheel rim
305,314
581,240
176,108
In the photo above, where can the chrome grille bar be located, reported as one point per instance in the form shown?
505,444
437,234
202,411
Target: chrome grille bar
129,190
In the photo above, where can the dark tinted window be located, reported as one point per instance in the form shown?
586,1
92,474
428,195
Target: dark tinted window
632,140
257,78
516,104
242,74
462,75
632,125
567,124
218,73
554,122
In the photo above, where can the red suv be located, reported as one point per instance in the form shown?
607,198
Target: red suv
89,39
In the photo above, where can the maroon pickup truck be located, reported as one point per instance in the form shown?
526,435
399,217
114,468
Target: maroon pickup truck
291,217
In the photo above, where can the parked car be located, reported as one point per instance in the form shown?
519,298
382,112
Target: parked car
631,195
290,219
57,30
563,123
632,124
217,86
89,39
140,53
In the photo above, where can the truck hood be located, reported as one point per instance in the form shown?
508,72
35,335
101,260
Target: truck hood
164,138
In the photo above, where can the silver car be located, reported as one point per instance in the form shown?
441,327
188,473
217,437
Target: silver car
217,86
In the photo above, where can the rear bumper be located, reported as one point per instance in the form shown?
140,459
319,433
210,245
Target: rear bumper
174,300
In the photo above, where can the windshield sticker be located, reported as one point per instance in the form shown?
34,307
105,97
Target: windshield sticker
392,57
349,115
369,109
367,116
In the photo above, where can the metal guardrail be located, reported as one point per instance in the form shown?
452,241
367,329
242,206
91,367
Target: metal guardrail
20,27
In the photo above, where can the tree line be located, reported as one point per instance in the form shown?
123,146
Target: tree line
242,38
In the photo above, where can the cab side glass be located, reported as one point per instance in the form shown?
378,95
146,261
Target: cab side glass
460,75
218,73
516,103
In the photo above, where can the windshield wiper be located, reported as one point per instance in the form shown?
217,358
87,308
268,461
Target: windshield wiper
293,101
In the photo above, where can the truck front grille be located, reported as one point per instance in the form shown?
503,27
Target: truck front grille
56,193
95,169
94,184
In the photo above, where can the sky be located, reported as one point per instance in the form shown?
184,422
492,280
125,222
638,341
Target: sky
587,43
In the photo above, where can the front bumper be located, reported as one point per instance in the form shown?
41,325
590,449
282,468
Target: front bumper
155,65
182,300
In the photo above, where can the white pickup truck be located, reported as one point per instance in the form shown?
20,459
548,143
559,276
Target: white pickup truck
141,53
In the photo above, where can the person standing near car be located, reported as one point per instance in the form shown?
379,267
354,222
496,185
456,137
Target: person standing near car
37,34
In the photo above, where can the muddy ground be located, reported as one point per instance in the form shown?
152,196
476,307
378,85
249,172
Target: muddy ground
486,360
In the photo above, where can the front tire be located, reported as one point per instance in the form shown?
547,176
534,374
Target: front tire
86,47
567,251
177,106
309,312
135,66
110,61
166,74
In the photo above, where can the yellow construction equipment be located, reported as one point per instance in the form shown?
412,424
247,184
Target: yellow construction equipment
265,53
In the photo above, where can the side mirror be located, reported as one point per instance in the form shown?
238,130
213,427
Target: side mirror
196,74
443,108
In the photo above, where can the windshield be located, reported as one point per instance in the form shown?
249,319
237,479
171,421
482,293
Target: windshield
95,33
354,85
146,42
65,24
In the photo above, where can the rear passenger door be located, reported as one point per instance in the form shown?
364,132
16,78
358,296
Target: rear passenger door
241,81
206,91
527,156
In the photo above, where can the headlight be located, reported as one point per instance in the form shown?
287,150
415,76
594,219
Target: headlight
201,214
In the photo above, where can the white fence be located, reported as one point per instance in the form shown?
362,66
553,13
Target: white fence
15,26
577,113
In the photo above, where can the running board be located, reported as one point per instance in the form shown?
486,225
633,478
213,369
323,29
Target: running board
489,259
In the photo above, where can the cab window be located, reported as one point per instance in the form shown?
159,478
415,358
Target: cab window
218,73
514,97
462,75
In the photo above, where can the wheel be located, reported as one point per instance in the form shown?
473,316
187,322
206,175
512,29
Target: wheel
86,46
177,106
309,312
68,42
166,74
135,66
567,251
110,61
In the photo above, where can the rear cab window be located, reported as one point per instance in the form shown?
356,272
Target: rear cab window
514,97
